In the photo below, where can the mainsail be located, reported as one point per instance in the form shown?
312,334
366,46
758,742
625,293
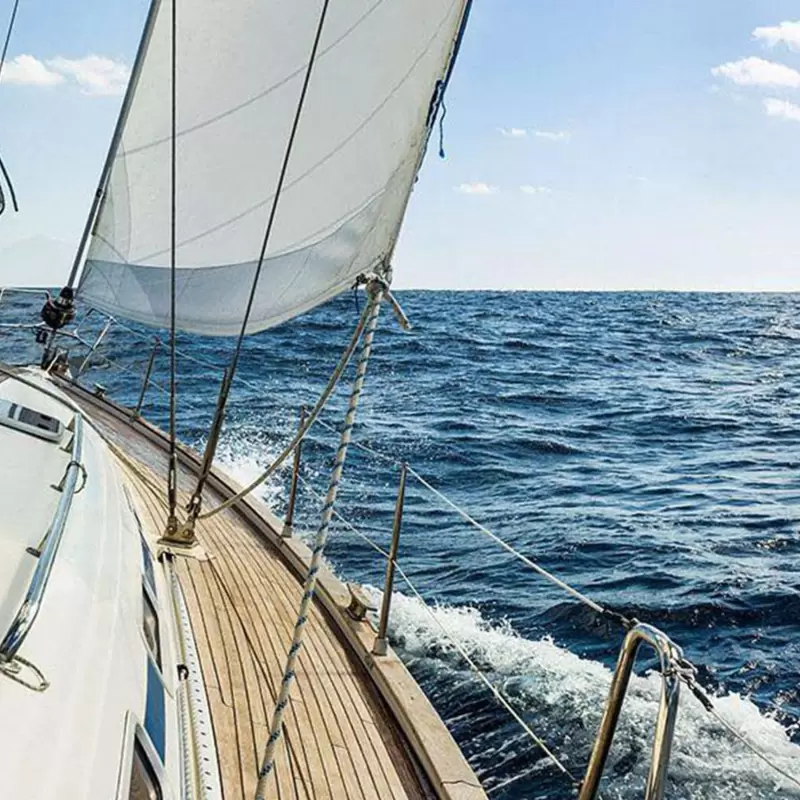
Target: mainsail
363,129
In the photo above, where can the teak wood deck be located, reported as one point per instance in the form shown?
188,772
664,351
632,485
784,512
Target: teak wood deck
357,726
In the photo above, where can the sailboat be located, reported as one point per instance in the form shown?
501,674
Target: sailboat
261,164
162,633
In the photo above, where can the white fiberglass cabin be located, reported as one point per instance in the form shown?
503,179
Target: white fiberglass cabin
91,643
133,673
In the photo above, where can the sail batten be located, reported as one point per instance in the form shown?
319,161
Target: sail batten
362,131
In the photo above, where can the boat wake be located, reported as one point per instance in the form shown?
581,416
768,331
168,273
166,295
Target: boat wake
562,696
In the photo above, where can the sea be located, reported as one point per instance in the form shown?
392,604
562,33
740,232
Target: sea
643,447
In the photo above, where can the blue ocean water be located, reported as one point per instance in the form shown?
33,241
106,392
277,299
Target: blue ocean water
642,446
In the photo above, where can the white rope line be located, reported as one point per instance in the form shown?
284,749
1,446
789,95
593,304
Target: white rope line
483,529
349,525
525,560
489,685
366,448
513,779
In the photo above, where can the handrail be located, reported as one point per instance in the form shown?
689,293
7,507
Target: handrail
672,667
28,611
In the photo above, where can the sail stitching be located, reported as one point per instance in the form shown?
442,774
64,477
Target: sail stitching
255,98
328,156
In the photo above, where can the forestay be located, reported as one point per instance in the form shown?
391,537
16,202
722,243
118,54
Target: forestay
362,132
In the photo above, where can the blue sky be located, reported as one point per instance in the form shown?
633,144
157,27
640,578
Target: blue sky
670,156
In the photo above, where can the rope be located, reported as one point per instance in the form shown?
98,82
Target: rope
268,762
310,419
349,525
225,390
172,474
9,31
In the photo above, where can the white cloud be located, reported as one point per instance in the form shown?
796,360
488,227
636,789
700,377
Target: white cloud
528,188
26,70
758,72
782,108
476,188
787,33
553,136
514,133
95,75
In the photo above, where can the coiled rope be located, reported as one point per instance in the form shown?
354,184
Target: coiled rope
268,762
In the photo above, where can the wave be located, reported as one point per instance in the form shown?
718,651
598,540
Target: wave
561,696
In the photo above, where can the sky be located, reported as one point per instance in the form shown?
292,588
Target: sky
622,144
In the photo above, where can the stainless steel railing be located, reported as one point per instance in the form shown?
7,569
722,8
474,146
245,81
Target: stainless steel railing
672,666
26,616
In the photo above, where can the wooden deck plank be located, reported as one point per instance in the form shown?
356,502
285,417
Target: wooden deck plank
323,664
243,606
310,700
262,700
349,769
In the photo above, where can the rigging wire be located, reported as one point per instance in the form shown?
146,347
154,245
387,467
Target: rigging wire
6,177
499,696
172,477
696,690
8,35
310,419
219,417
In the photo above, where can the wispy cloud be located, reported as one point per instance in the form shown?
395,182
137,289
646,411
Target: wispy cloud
787,33
476,188
522,133
528,188
553,136
514,133
782,108
94,75
755,71
25,70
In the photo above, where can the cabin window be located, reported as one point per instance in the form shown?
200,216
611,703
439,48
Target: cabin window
144,783
150,626
147,566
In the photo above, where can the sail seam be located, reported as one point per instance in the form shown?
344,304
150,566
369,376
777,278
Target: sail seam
291,184
261,95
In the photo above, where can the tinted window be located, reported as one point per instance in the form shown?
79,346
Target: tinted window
147,565
144,784
150,625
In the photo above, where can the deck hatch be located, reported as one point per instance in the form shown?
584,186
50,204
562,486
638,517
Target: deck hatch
28,420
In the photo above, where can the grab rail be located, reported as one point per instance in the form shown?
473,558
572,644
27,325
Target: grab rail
672,667
26,616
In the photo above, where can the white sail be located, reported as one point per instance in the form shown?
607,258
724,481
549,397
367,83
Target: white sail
241,67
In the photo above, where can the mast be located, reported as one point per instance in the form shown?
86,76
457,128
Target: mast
141,51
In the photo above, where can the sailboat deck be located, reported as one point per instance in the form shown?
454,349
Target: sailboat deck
338,739
357,725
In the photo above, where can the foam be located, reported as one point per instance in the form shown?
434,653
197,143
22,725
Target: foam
244,462
563,695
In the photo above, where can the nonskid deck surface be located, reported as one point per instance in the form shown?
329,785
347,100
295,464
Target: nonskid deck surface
338,740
